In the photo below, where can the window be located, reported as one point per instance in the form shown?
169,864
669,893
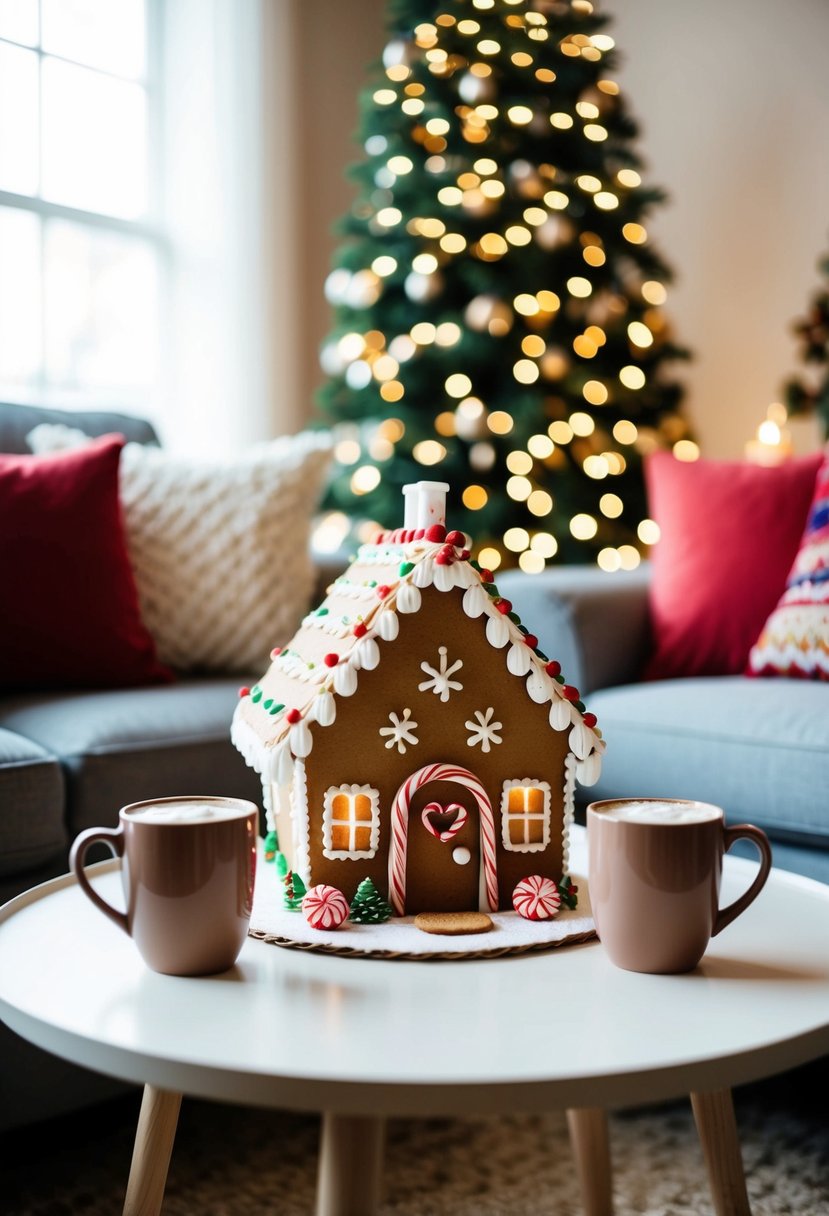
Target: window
81,253
350,822
525,815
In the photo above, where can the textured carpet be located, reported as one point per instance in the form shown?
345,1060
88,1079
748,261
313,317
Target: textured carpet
230,1161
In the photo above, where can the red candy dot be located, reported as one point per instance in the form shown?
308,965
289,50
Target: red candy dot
456,539
465,555
276,652
383,591
590,719
244,692
503,606
360,630
436,534
487,576
331,660
553,668
530,640
441,559
570,692
293,715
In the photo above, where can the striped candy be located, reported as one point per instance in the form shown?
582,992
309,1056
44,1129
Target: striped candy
400,829
324,907
536,898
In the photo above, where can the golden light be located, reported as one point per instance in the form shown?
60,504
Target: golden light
445,424
629,557
474,498
450,196
595,132
654,292
499,422
610,87
398,71
530,562
648,532
489,558
560,432
587,109
516,462
603,42
635,233
481,70
385,368
540,503
521,59
548,301
430,227
525,371
471,407
536,216
545,75
458,385
365,479
351,346
453,242
778,413
516,234
517,539
611,505
686,449
580,424
632,376
347,451
468,27
400,165
594,256
625,432
594,392
639,334
519,488
331,531
384,265
387,217
412,106
493,245
605,200
629,178
375,340
519,116
615,462
596,334
587,182
608,560
545,544
533,345
769,432
385,97
392,391
526,305
596,467
447,333
392,429
436,126
428,451
583,527
425,263
488,46
540,446
556,199
423,333
579,287
485,165
380,448
492,188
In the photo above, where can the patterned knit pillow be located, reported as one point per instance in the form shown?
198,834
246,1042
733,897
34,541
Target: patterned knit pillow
795,639
219,548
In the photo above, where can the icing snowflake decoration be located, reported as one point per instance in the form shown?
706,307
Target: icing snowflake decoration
401,731
483,729
440,681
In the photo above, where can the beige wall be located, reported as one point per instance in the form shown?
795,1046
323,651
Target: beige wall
733,102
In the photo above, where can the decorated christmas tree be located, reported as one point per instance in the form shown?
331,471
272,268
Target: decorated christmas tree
497,299
805,394
368,906
294,889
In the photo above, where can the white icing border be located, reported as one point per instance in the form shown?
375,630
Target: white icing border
328,813
546,814
300,820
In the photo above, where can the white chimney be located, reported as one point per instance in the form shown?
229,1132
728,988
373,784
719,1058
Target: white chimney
431,503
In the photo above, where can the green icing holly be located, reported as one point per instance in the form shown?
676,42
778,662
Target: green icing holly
276,707
271,846
256,693
406,568
368,906
321,612
568,892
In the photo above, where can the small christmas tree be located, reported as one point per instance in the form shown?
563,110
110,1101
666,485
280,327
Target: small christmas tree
294,890
805,395
271,846
498,300
368,906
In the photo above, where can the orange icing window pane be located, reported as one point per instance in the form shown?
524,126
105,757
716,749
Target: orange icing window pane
362,808
523,799
362,839
341,806
340,837
350,822
534,831
517,830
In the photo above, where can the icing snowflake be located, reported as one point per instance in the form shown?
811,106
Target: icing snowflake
440,681
483,729
401,731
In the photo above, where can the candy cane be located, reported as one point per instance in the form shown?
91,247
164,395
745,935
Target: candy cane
400,829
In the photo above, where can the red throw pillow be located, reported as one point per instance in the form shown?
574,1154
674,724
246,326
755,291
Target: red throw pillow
729,534
69,615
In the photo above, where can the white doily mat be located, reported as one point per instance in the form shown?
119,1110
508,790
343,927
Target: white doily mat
398,938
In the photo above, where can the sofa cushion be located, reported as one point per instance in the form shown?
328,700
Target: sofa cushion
759,749
123,746
32,830
16,421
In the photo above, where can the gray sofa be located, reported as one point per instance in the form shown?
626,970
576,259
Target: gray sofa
69,760
757,747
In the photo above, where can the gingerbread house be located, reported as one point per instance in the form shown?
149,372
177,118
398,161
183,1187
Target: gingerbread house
413,732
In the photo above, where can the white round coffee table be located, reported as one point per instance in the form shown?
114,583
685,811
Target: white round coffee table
364,1039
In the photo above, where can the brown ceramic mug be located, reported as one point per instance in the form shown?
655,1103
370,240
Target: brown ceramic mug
654,869
188,870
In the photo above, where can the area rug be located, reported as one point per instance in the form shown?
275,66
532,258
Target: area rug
230,1161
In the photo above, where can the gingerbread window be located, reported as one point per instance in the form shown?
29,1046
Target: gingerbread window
350,822
525,815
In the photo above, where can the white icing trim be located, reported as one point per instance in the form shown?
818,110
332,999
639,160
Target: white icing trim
301,740
589,769
324,708
300,821
519,658
581,740
345,679
282,763
267,802
560,714
507,816
570,765
388,625
442,577
497,630
328,823
408,598
475,600
334,626
352,591
538,685
366,654
422,574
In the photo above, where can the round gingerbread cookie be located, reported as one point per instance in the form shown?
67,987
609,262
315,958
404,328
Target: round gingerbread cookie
536,898
324,907
453,924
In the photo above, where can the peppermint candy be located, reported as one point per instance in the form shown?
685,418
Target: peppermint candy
535,898
324,907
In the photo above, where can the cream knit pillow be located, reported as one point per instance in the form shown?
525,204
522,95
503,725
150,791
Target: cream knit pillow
219,548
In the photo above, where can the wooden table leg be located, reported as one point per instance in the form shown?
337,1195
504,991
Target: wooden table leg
717,1128
349,1179
151,1154
591,1149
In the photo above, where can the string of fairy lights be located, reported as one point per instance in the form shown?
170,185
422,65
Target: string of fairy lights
374,359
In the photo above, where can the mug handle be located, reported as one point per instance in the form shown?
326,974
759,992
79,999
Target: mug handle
758,837
113,838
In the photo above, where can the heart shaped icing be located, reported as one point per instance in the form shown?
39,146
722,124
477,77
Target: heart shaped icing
443,821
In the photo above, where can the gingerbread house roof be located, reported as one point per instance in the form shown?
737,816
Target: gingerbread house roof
356,629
